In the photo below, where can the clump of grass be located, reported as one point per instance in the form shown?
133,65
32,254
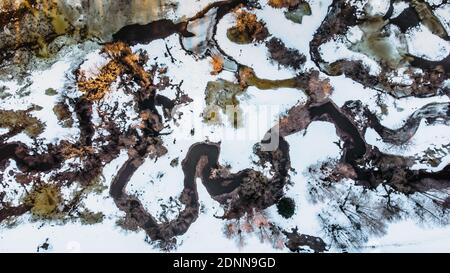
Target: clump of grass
88,217
44,201
96,185
247,29
69,150
63,114
21,121
51,92
217,64
96,88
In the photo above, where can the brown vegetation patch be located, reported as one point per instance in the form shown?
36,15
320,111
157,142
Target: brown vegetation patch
18,121
44,200
284,3
247,29
283,55
95,89
63,114
217,64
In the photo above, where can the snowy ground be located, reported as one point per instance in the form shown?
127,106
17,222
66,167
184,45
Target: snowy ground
156,182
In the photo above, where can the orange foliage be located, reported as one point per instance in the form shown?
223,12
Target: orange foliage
95,89
123,53
247,28
217,64
123,60
283,3
70,151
